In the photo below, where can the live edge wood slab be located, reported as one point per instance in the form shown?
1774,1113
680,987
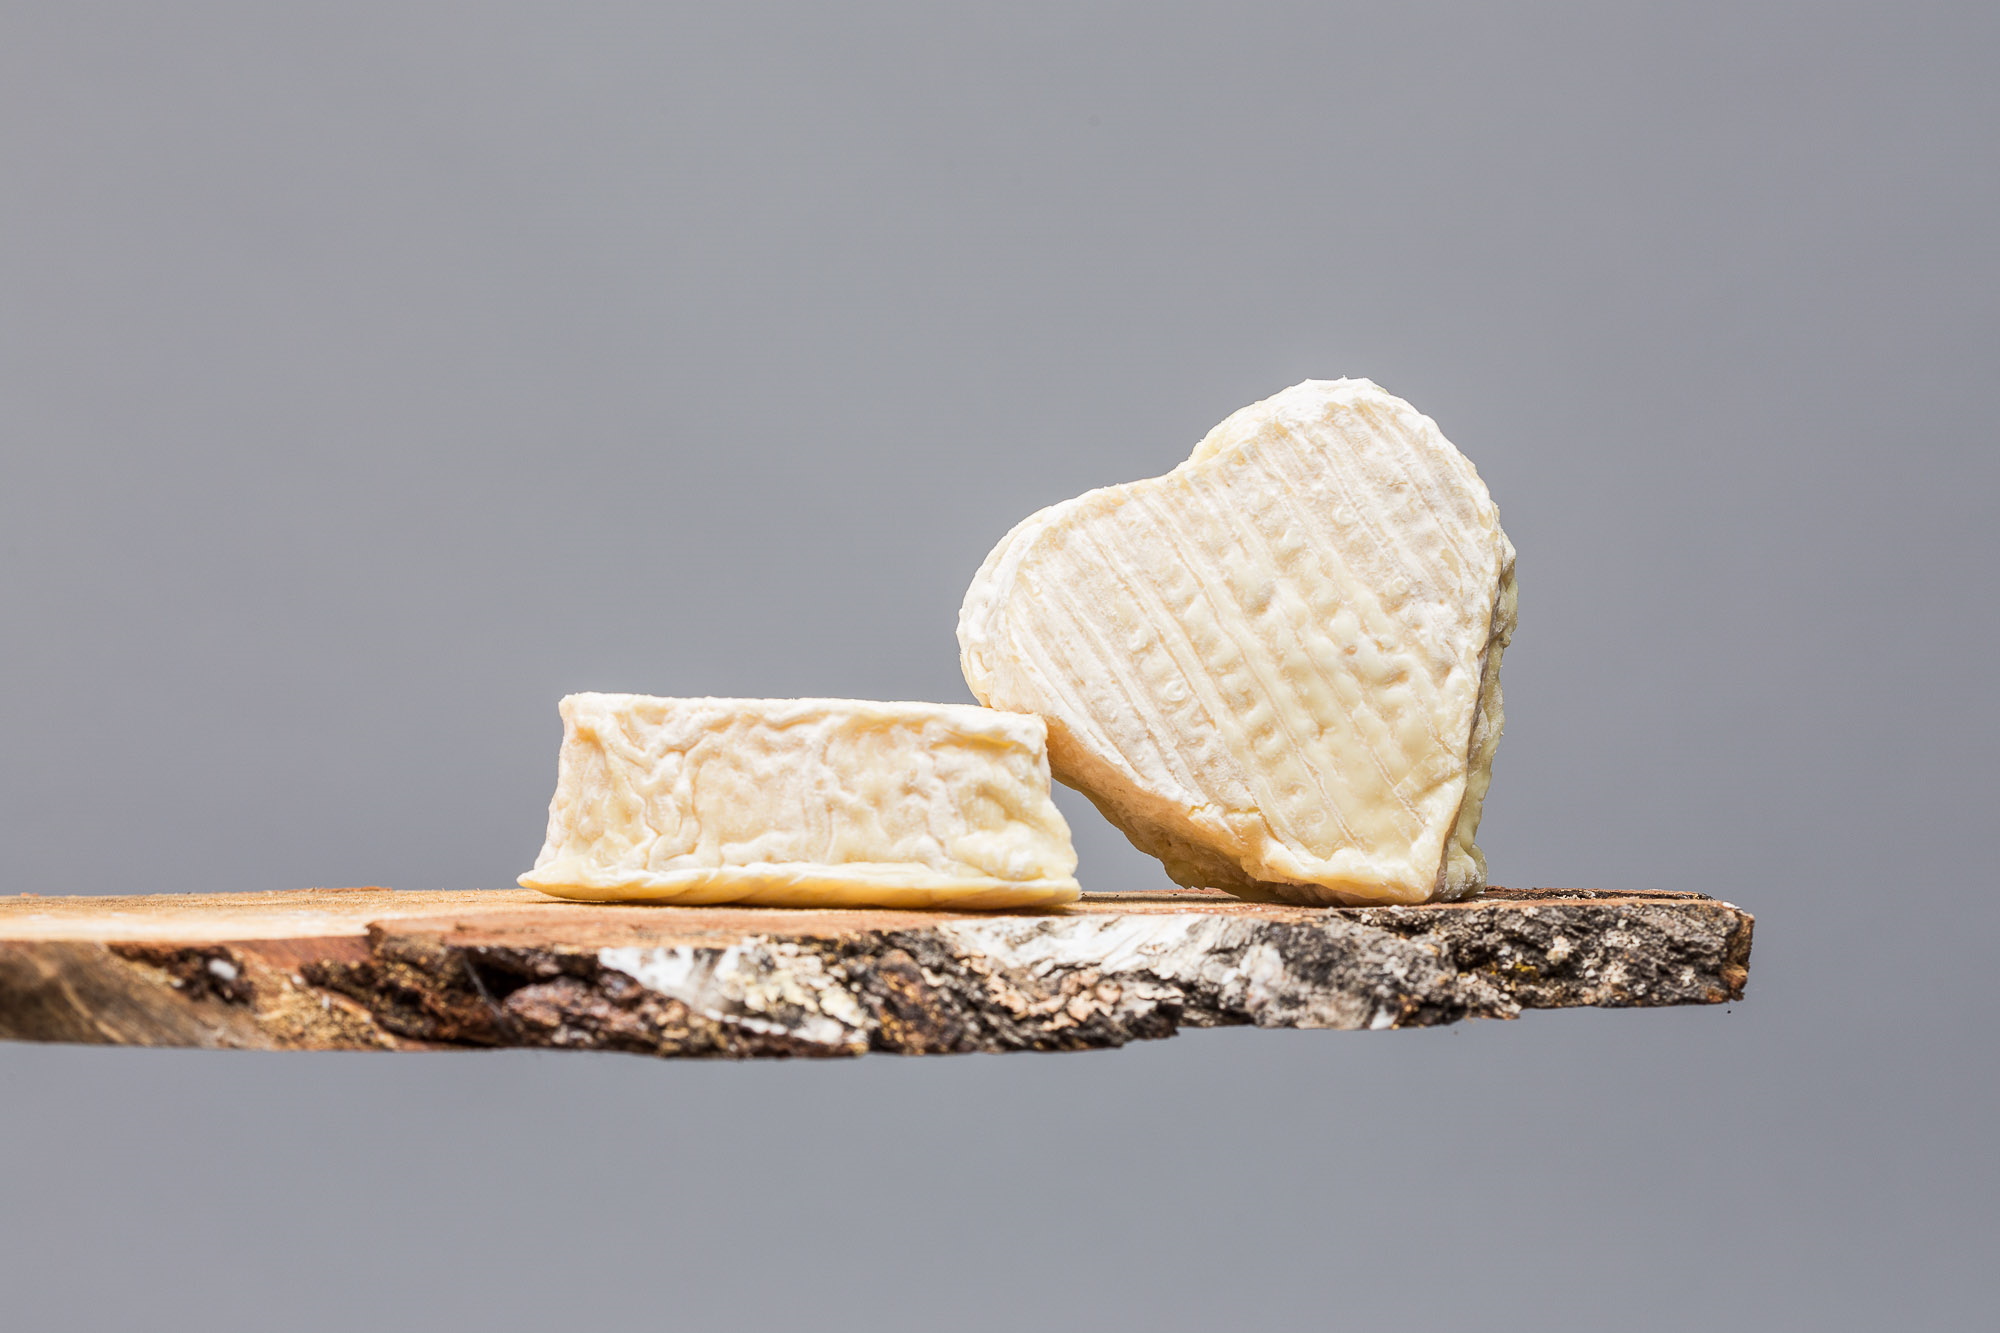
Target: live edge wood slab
375,969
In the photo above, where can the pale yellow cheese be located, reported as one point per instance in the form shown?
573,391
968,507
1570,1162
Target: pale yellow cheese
803,803
1276,668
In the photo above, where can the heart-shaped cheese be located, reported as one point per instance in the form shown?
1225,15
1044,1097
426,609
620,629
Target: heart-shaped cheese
1276,668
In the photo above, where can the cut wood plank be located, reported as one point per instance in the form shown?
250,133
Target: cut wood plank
377,969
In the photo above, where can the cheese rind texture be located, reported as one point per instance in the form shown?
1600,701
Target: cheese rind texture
803,803
1277,667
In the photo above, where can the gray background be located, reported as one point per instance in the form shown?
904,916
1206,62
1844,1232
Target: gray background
370,376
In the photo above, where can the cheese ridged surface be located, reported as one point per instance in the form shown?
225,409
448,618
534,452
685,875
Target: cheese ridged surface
1276,667
803,803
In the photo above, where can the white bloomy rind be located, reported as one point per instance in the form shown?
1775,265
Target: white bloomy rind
803,803
1277,668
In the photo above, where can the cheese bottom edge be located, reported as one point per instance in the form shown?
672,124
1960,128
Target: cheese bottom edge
791,886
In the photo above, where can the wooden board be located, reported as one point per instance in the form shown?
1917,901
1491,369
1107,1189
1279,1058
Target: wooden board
376,969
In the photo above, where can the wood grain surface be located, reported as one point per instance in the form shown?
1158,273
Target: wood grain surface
378,969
